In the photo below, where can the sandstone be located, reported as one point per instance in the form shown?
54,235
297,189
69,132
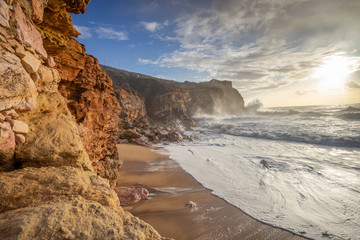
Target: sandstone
20,127
48,79
11,113
28,186
53,131
7,160
4,14
19,138
20,51
27,32
17,89
131,195
38,10
7,139
51,62
30,62
73,218
2,118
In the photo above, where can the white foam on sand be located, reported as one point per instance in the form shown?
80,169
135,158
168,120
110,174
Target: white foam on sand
307,189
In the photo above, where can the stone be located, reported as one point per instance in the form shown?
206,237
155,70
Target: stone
29,186
143,141
129,134
27,32
20,127
19,138
51,62
2,118
38,10
175,136
131,195
7,139
11,113
17,89
30,62
73,218
52,129
4,14
20,51
190,204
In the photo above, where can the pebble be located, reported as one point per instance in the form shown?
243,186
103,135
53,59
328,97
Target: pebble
20,127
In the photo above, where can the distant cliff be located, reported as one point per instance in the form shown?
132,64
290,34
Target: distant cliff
170,102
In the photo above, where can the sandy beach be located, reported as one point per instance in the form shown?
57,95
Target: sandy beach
171,188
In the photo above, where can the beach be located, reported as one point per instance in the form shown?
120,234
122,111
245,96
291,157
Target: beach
171,190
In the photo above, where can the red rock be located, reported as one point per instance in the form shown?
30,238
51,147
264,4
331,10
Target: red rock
131,195
38,10
7,139
27,32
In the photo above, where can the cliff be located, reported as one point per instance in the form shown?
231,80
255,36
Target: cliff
175,103
58,127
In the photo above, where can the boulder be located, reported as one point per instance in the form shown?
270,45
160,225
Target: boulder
175,136
143,141
129,133
73,218
20,127
29,186
131,195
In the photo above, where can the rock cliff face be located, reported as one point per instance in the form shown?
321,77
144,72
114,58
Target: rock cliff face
88,90
176,103
57,108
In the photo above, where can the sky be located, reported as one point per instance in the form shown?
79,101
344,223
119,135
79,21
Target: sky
283,52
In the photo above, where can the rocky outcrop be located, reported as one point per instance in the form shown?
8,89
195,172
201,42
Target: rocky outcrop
173,103
131,195
88,90
57,108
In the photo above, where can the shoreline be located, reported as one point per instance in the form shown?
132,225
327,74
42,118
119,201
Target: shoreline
172,188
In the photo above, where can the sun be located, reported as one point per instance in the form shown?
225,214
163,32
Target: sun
334,71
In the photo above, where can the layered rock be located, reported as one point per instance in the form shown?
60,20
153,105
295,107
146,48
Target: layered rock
88,90
50,188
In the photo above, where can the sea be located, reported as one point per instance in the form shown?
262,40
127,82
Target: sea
297,168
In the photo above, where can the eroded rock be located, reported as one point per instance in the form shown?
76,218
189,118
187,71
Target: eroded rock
28,186
73,218
131,195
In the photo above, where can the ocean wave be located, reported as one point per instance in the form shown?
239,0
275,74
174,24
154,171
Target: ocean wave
350,116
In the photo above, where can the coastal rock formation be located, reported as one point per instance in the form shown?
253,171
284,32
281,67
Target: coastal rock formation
57,108
173,103
88,90
131,195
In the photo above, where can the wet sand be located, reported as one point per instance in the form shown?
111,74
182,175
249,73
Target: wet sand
171,188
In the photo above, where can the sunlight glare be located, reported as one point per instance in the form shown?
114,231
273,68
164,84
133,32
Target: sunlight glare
334,71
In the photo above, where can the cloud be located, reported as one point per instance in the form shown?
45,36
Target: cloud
352,84
306,92
151,26
109,33
85,31
263,44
